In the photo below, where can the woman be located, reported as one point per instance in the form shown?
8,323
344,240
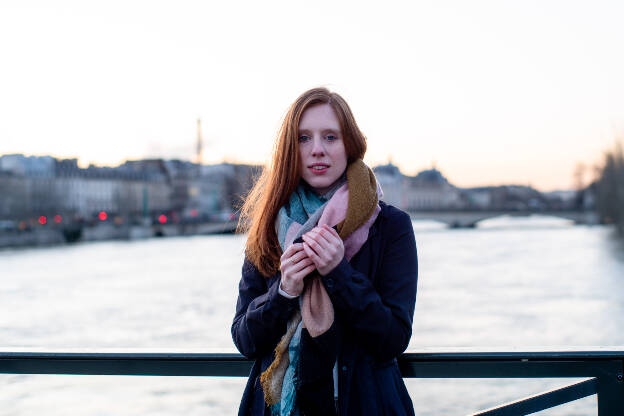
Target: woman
328,286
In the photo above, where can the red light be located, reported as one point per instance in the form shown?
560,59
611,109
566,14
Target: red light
162,219
194,213
102,216
42,220
58,219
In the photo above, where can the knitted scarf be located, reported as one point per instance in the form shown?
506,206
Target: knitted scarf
351,205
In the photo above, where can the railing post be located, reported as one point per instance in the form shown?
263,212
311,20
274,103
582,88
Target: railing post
610,392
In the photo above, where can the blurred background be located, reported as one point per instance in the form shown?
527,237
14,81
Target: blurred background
496,124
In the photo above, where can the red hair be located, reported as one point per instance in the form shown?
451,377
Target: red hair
279,180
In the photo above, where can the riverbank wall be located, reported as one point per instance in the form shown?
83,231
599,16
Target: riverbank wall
60,236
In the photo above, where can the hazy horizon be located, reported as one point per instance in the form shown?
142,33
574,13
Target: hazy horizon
485,183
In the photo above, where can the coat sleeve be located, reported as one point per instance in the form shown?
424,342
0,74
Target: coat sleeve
261,313
380,315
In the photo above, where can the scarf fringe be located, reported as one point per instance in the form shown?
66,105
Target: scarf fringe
272,378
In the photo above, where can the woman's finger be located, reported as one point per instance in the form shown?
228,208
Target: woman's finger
306,271
291,250
302,264
313,244
311,254
320,236
326,250
297,257
332,232
332,237
319,239
288,252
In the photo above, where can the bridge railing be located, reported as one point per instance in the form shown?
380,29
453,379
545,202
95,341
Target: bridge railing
604,370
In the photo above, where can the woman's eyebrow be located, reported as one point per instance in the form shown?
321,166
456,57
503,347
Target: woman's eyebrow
324,131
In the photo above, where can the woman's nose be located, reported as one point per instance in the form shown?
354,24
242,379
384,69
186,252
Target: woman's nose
317,147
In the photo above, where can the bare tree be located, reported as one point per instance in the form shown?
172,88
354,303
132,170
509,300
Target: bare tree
579,176
610,191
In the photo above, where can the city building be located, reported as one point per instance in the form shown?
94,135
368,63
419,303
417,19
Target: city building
430,190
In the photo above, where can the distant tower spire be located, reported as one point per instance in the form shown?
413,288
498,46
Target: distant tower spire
199,149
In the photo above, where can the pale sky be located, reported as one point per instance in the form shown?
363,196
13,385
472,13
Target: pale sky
490,92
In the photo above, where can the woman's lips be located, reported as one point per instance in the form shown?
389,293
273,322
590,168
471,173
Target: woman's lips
318,169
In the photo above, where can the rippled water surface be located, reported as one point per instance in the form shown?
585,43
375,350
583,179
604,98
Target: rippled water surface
510,283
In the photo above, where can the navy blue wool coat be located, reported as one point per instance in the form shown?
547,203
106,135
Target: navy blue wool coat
373,297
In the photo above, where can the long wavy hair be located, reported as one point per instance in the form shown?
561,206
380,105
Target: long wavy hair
279,180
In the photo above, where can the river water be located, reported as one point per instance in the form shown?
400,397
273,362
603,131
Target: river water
511,283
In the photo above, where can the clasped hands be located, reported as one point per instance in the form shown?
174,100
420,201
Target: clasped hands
322,249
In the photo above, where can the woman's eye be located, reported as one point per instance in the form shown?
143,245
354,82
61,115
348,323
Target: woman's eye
331,137
303,138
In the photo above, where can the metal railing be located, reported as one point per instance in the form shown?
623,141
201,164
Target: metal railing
604,369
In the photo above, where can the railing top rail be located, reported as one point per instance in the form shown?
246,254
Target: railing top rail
231,349
410,356
512,355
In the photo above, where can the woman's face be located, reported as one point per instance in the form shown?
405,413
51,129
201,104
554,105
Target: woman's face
321,147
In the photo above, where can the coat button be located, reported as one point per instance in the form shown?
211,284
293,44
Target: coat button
344,368
329,283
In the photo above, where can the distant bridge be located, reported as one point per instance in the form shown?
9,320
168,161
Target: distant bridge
469,219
